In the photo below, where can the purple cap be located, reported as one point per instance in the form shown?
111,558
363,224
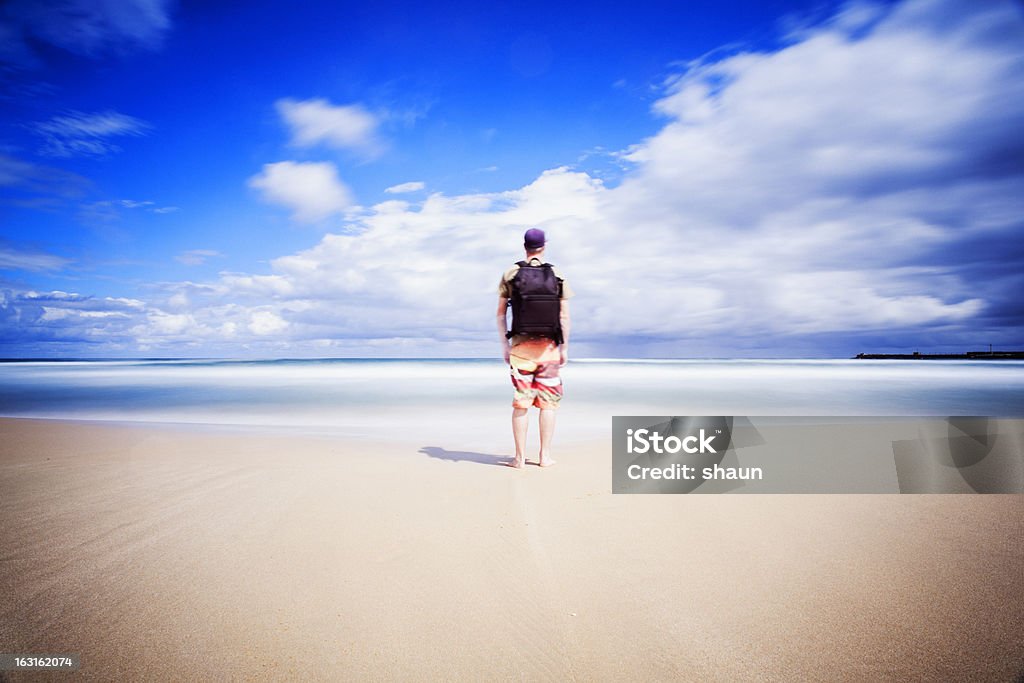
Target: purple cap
533,239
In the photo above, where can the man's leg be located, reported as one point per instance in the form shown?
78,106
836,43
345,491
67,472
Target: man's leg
524,395
547,430
548,385
520,423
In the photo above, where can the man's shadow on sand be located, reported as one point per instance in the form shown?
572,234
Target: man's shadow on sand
465,456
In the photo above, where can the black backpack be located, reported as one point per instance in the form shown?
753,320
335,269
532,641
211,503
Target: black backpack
536,302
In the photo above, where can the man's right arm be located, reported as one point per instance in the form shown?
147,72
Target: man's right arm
503,325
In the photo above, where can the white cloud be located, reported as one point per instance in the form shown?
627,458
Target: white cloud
402,188
12,258
133,204
266,322
80,134
170,324
59,316
318,122
312,190
196,257
109,211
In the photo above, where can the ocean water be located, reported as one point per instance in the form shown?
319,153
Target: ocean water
468,400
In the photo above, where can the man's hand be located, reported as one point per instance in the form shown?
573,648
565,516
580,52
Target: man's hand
507,350
563,351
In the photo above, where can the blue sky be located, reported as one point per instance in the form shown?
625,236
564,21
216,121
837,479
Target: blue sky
323,179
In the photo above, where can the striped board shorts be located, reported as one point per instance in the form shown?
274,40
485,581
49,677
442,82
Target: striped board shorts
534,369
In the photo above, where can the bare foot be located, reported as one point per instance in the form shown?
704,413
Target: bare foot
545,462
516,462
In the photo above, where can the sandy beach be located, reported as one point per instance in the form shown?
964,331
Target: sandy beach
172,553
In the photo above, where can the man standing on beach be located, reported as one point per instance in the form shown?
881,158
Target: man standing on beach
537,344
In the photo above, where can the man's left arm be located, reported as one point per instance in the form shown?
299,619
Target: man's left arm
563,318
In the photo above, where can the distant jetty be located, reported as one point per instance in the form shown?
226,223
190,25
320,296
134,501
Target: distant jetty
970,355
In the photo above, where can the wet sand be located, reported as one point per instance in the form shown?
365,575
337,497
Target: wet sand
164,553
